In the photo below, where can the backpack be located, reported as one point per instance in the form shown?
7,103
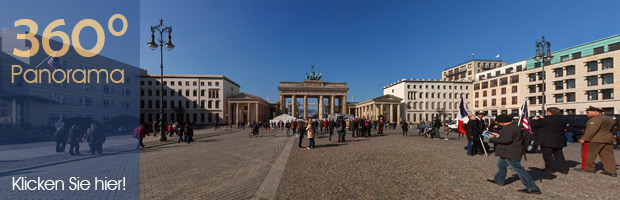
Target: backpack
527,143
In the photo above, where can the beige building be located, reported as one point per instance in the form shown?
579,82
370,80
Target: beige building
388,106
499,91
578,81
190,98
245,108
466,71
424,99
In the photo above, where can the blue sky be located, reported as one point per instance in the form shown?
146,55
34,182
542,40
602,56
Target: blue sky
367,44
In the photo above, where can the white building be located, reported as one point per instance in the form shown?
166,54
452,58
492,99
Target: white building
425,99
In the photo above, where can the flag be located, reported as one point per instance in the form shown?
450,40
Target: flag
472,54
523,117
498,55
462,116
54,63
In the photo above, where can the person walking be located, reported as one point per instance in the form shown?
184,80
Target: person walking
301,128
380,126
60,137
549,133
405,126
331,126
189,133
75,137
311,134
294,126
177,131
436,125
446,129
342,128
155,128
510,150
95,138
599,140
139,133
421,126
288,127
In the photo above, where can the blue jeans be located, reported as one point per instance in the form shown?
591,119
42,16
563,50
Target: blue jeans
287,130
515,165
437,135
469,147
569,137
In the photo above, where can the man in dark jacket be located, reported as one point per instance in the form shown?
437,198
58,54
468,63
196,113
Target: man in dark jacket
472,135
95,138
436,125
510,150
549,134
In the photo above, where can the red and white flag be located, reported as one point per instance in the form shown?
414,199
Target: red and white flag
524,118
462,117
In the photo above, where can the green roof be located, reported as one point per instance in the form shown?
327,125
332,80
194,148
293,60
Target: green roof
586,49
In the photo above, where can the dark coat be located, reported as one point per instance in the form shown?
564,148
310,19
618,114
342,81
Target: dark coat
95,135
405,126
437,124
549,131
472,130
509,143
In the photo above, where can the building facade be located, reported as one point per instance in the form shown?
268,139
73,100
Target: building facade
322,91
499,91
45,103
577,77
246,108
386,106
466,71
188,98
425,99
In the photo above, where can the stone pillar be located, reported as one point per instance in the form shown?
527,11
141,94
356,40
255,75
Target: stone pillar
398,113
237,113
332,104
230,113
392,113
321,107
305,107
282,98
256,112
293,106
344,105
381,111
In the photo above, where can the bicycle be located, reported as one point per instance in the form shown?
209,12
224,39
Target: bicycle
253,134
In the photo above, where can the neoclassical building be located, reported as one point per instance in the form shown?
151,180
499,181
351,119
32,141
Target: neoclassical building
388,106
424,99
246,108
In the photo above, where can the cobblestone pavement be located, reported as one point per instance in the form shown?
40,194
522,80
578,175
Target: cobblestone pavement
229,166
413,167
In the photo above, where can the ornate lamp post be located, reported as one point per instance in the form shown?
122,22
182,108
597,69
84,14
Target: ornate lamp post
161,29
543,57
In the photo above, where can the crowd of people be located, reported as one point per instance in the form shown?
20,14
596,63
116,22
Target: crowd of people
93,135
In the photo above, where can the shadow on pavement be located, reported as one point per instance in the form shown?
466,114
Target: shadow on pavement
536,173
329,145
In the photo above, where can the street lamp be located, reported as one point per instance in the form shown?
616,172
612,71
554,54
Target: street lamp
543,57
161,29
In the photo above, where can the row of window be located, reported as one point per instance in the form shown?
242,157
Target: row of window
496,82
210,93
596,50
53,118
106,103
187,117
413,95
188,104
449,87
107,89
431,105
514,101
494,92
180,83
592,66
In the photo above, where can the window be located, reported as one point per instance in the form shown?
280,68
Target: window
608,93
180,93
614,46
559,98
514,79
493,93
563,58
514,89
195,92
503,101
576,55
476,95
477,86
172,83
195,83
503,81
541,75
150,92
494,83
559,85
484,103
484,93
592,66
217,83
493,102
187,93
607,79
504,90
592,95
608,63
532,77
532,88
598,50
558,72
592,80
107,89
186,83
209,84
570,70
570,97
485,85
202,83
514,100
532,100
570,83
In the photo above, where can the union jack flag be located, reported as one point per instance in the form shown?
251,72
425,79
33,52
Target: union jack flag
524,118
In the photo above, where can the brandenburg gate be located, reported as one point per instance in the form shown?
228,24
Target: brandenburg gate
313,87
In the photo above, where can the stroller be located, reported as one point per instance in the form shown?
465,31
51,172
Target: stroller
428,132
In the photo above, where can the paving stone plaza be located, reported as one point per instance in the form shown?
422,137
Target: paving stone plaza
232,166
